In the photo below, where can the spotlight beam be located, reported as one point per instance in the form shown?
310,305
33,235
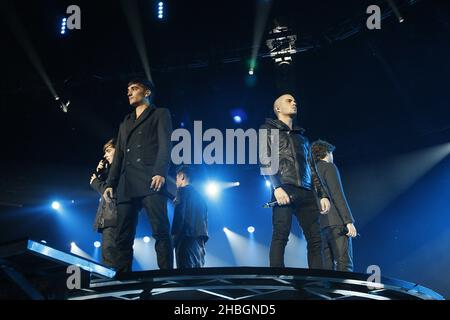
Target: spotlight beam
130,8
395,10
22,37
75,249
246,251
262,13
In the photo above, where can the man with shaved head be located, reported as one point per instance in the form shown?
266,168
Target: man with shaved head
295,185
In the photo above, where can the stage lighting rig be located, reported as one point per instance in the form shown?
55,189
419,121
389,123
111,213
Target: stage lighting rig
63,105
281,43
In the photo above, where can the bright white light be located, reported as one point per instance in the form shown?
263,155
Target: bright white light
43,241
146,239
65,19
251,229
225,229
251,72
237,119
268,184
73,244
160,10
212,189
56,205
97,244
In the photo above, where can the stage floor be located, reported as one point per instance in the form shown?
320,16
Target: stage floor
32,270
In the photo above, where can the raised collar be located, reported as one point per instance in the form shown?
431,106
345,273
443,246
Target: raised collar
283,126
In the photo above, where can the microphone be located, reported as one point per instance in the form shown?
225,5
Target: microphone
275,203
270,204
101,173
345,231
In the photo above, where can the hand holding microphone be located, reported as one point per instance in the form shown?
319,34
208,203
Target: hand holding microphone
282,198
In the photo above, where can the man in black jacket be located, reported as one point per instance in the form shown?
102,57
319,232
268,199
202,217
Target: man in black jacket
294,185
138,175
190,222
337,227
106,217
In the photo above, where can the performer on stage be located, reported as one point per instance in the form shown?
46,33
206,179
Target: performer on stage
294,185
138,175
190,222
106,217
337,227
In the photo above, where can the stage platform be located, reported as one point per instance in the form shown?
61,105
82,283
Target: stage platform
33,270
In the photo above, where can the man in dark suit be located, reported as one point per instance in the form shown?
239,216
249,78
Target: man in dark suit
190,222
138,174
337,227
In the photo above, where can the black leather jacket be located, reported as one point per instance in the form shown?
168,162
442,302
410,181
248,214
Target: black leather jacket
296,166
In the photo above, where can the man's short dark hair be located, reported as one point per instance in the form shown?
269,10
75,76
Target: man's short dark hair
147,84
320,148
188,171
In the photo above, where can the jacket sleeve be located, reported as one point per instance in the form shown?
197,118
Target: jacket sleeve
333,179
99,185
317,182
274,179
164,129
179,214
114,171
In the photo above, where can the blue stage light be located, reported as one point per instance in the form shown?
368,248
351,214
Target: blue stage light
146,239
97,244
251,229
225,229
237,119
212,189
238,115
268,184
56,205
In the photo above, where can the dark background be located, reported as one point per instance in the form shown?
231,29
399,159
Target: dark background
381,96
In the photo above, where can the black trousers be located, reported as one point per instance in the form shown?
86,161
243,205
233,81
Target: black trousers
190,252
337,249
304,207
155,206
109,249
